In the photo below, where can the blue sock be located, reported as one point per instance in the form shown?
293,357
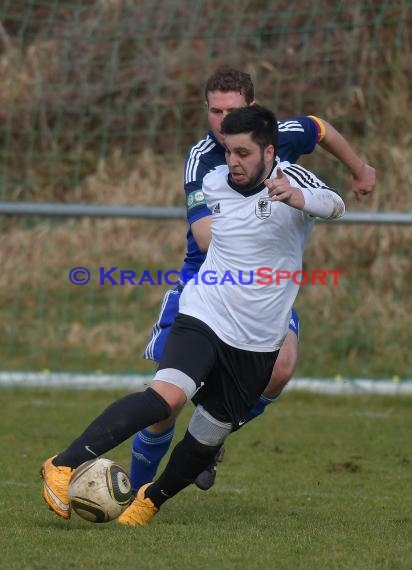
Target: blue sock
147,452
260,406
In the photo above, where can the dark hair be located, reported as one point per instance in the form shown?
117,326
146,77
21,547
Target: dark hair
228,79
260,122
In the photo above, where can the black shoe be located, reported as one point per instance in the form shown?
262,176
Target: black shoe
206,479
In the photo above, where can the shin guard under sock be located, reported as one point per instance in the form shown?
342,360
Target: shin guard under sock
188,459
118,422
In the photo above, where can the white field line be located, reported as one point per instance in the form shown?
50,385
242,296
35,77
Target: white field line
135,381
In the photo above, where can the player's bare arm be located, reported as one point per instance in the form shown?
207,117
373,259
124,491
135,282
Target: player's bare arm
363,175
363,180
202,232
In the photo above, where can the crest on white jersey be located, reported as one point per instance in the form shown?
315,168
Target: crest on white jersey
263,208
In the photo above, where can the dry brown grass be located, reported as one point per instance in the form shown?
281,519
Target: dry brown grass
86,82
97,106
360,327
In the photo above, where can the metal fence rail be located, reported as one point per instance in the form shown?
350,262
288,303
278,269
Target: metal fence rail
47,209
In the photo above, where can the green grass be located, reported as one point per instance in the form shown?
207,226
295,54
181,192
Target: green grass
316,483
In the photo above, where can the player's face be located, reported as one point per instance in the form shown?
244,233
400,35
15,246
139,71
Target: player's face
248,164
219,104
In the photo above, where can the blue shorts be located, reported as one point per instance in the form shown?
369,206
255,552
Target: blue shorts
167,315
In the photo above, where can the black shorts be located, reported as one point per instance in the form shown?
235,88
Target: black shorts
229,380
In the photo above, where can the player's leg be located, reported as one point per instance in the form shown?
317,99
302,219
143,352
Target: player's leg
222,406
184,365
149,447
191,455
283,369
113,426
282,372
151,444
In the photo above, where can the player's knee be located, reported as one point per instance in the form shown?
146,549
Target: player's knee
190,457
174,396
162,426
206,429
282,372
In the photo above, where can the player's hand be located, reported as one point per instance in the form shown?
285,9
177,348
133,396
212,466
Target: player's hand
363,182
281,190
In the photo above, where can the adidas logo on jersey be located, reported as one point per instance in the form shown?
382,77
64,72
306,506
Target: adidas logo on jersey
216,209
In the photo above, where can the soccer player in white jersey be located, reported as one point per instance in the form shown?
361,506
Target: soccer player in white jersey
225,340
227,89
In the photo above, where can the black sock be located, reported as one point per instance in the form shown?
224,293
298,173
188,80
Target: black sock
188,459
118,422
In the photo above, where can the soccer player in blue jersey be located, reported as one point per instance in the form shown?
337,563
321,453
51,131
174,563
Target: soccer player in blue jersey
225,90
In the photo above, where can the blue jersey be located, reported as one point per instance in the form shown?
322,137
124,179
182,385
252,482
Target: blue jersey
296,136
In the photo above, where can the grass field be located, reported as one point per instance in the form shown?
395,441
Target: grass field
316,483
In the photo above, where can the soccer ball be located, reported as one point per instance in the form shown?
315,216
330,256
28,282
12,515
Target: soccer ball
99,490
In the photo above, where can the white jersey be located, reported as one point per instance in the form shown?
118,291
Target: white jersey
239,292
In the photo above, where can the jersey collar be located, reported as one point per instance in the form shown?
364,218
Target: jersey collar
214,139
251,191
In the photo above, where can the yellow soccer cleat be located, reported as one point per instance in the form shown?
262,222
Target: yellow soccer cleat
56,487
140,511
